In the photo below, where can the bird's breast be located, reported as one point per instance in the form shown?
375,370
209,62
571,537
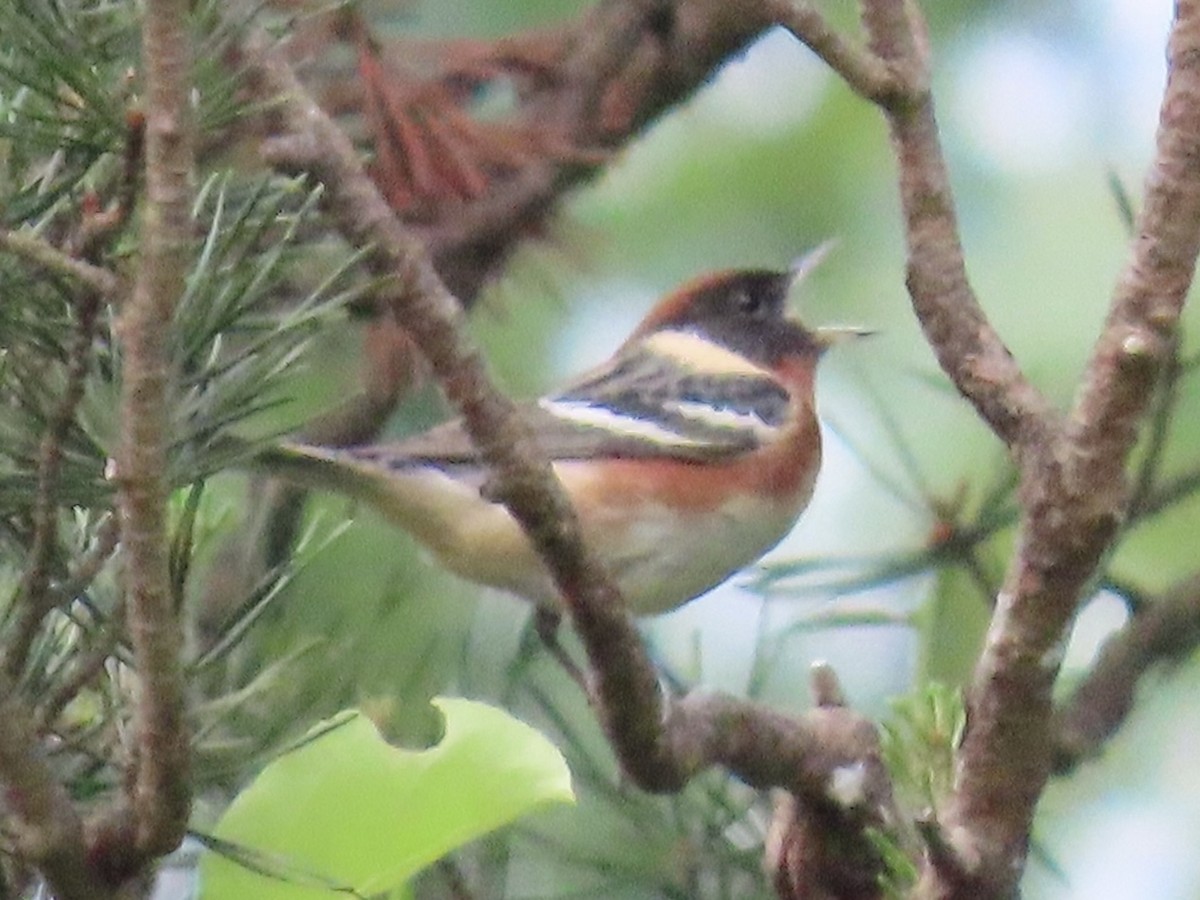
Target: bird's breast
670,530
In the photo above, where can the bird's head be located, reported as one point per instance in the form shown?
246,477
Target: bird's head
743,311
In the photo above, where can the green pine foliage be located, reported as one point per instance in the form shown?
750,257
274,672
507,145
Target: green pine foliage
266,279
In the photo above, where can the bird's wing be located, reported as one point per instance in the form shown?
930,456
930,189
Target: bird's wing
638,405
671,408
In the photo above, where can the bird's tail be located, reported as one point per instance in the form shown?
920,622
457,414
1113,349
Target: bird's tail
412,496
322,468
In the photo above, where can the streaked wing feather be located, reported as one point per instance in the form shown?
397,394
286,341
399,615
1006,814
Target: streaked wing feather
449,444
737,408
638,405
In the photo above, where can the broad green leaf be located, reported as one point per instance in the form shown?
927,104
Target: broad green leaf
346,811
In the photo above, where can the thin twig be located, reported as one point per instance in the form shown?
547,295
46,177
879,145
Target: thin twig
32,248
1168,493
99,227
967,347
866,74
160,791
83,573
1165,630
1166,396
34,599
85,668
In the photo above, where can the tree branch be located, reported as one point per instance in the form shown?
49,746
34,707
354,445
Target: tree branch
601,79
160,790
31,248
34,599
894,74
967,347
1073,496
1073,485
625,63
1164,631
818,850
865,73
46,829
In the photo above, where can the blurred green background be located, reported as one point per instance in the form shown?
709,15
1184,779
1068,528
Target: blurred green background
1042,105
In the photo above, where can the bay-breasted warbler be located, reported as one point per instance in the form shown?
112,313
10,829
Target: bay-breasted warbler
687,455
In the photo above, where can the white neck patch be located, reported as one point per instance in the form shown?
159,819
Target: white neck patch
700,355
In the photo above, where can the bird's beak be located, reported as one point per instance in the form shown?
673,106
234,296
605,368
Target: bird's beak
831,335
803,265
800,269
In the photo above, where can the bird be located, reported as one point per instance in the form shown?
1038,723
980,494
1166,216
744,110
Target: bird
687,455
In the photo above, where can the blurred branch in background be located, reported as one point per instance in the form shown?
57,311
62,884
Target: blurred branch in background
472,187
1161,633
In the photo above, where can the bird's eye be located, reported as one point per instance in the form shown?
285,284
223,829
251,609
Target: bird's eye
747,302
